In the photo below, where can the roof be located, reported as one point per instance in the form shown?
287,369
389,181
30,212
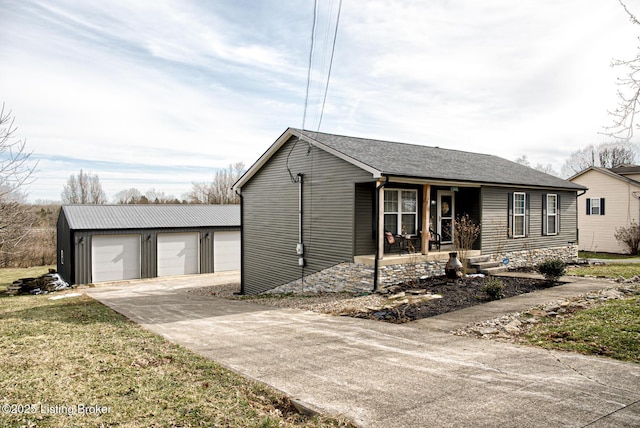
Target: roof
626,169
153,216
387,158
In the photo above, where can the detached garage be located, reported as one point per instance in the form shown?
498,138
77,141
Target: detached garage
98,243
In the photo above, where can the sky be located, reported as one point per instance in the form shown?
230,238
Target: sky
160,94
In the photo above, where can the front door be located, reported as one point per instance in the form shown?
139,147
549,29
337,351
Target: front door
446,216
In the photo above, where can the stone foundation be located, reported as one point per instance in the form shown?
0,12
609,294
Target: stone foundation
530,258
358,277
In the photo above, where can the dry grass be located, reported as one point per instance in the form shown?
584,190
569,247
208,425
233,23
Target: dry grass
58,354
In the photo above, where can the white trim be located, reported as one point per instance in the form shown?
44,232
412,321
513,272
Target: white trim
399,213
523,215
554,215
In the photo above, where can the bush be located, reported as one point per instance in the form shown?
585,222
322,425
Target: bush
552,269
629,237
494,288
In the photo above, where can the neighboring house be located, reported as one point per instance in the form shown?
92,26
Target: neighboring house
99,243
315,207
610,202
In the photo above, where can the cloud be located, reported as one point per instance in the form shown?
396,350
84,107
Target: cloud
163,85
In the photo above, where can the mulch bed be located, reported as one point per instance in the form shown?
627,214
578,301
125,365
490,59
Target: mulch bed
456,294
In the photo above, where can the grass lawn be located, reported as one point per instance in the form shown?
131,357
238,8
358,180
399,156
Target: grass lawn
605,256
610,329
613,270
59,355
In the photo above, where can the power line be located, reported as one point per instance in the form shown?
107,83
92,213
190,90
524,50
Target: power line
333,50
313,36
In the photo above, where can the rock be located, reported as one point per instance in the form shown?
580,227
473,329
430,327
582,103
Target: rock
484,331
513,327
537,312
416,291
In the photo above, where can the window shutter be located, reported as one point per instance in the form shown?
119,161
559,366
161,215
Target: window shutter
601,206
527,212
510,215
544,214
558,211
588,206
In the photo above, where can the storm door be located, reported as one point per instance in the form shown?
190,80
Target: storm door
446,215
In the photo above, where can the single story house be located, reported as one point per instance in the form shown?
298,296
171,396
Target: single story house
98,243
612,201
315,208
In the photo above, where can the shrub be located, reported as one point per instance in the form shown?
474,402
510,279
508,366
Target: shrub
494,288
629,237
552,269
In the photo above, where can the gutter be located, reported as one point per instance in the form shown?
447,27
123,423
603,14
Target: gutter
375,266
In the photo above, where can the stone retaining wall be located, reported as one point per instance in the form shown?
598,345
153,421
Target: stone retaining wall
358,278
530,258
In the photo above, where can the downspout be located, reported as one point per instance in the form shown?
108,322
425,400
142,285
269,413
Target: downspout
577,211
241,242
300,246
375,263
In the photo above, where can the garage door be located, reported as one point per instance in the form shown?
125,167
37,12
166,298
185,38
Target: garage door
226,251
115,257
178,254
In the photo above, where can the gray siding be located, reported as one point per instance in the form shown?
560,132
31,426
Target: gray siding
64,249
78,246
365,241
270,215
495,209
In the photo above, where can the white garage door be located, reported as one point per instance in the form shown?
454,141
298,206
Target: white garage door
115,257
178,254
226,251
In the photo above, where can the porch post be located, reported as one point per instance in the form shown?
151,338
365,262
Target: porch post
381,236
426,215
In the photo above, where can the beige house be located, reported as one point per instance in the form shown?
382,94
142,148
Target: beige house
612,201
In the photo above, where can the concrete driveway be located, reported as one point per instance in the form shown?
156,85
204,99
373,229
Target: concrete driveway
387,375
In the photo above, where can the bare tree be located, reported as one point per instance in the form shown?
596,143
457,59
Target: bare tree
83,189
605,155
128,196
219,190
16,170
624,116
547,169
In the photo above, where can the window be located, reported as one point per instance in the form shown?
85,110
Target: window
401,211
595,206
519,214
552,215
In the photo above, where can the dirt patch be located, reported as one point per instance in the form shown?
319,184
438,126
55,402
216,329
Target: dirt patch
449,296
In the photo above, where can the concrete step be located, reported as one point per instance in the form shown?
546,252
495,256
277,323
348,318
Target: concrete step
494,270
477,259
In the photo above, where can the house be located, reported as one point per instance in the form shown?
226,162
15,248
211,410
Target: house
315,207
611,202
99,243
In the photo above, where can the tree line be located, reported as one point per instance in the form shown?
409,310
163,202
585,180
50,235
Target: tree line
85,188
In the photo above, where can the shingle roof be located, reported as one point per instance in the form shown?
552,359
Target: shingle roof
90,217
409,160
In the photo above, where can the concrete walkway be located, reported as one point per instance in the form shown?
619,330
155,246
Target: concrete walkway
389,375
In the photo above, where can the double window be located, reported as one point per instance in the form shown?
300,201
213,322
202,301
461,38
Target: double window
520,206
401,211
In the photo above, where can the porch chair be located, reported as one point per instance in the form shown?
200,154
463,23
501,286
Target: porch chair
434,239
390,240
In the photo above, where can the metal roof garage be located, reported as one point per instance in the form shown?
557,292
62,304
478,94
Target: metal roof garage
98,243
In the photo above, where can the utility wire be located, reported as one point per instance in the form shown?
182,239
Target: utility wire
313,36
333,50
